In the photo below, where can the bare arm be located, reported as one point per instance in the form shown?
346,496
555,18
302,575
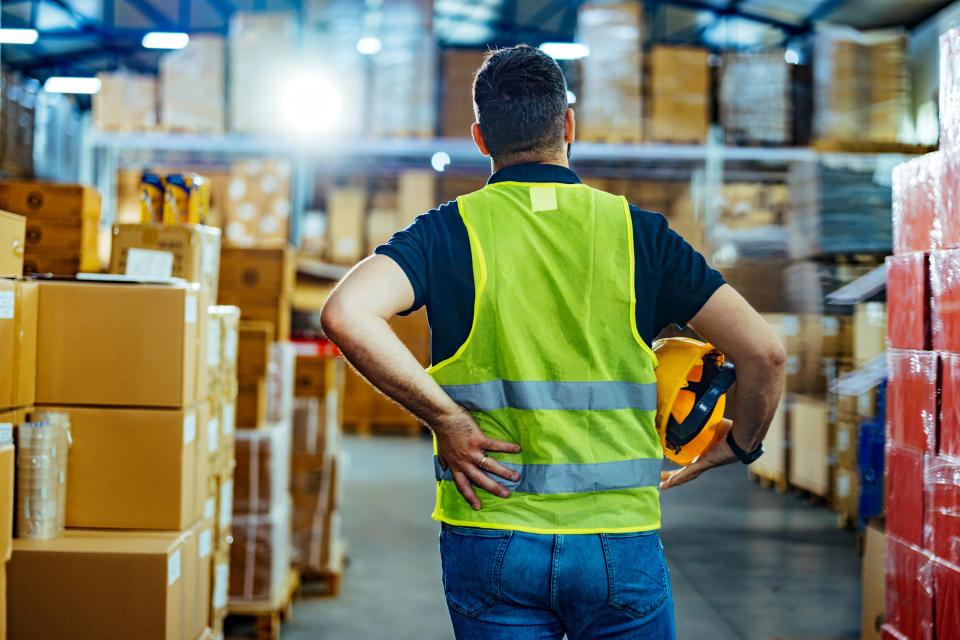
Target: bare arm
729,323
355,319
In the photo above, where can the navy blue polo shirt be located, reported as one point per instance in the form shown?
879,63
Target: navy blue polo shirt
672,280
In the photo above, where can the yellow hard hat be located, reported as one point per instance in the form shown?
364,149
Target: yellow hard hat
692,380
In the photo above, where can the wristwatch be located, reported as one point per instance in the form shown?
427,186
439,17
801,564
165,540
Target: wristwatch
746,457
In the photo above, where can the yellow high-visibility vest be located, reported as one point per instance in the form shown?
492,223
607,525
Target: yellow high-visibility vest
554,363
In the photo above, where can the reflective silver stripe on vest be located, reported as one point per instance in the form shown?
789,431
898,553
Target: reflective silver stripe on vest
548,394
575,477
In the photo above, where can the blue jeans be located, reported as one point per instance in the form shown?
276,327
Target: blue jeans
509,585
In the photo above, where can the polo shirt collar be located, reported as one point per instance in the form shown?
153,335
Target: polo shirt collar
535,172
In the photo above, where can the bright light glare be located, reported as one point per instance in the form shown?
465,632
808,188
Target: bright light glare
440,160
64,84
790,56
165,40
571,97
565,50
310,103
369,46
18,36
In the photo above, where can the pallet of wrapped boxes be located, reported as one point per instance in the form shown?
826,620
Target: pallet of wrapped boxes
922,461
317,468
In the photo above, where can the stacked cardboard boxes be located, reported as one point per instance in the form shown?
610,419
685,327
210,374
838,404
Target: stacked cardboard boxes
260,282
317,466
131,372
923,430
257,210
159,250
403,85
678,109
18,115
861,85
458,67
62,225
610,107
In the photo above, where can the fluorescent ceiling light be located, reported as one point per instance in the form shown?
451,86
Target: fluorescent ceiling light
18,36
369,46
565,50
165,40
63,84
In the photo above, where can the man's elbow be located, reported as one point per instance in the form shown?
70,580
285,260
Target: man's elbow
333,319
773,356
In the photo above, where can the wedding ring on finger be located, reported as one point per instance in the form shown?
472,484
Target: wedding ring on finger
482,460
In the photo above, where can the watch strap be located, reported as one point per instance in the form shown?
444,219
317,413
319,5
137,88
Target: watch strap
746,457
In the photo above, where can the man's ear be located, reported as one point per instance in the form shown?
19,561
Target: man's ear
569,126
478,138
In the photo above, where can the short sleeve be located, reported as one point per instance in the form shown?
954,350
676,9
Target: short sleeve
408,248
687,282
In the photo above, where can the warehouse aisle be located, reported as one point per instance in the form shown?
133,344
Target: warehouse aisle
746,563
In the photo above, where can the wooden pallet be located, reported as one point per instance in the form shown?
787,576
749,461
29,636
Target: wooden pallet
769,480
329,579
365,428
268,614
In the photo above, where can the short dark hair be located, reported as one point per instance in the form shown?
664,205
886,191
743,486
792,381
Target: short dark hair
520,101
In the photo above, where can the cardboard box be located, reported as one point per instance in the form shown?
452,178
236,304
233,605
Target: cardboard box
912,388
906,510
223,516
195,251
27,301
258,206
228,425
49,200
99,586
679,106
132,468
12,237
7,466
260,555
274,310
251,403
7,323
809,445
874,582
773,462
910,590
264,273
129,345
262,474
253,348
837,333
182,106
845,491
869,332
125,102
220,588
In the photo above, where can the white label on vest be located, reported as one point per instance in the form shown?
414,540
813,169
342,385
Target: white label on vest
146,263
213,435
173,568
206,543
190,309
7,305
189,428
543,199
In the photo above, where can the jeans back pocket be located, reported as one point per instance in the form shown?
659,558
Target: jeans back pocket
471,559
637,577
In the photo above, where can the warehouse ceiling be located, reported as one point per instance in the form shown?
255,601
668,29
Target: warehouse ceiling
79,37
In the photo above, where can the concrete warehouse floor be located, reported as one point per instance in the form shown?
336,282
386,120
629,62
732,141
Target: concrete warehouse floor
746,563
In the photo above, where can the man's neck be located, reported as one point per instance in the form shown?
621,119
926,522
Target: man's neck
560,162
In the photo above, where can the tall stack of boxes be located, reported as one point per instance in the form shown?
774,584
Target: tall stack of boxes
610,107
317,465
923,430
752,111
260,283
18,353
